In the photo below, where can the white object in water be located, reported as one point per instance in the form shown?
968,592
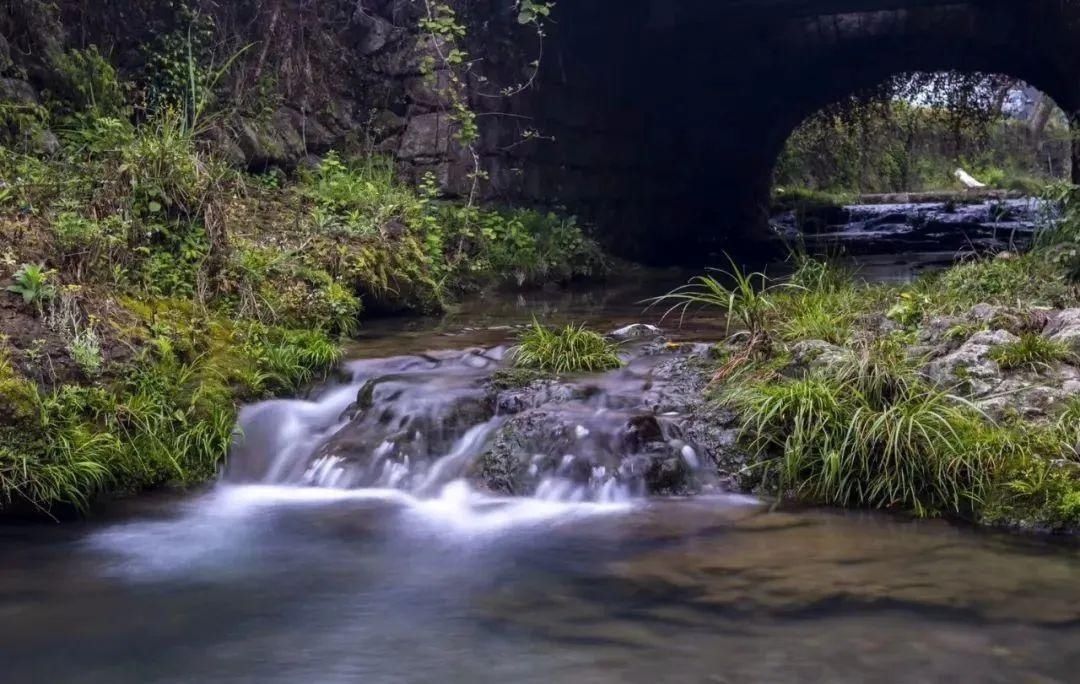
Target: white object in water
968,180
690,456
636,331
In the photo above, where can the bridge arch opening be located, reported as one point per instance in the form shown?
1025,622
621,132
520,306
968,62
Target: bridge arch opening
913,132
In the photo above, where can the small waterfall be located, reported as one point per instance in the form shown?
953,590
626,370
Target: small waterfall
419,424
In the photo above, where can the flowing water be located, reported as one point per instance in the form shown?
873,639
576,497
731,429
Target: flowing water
349,541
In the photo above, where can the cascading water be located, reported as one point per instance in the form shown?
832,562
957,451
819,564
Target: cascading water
436,424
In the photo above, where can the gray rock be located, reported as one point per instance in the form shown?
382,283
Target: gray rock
811,354
1065,328
970,367
5,54
430,91
45,142
376,32
1028,397
386,123
17,91
983,313
428,135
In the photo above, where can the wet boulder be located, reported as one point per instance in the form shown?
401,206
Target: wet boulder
594,452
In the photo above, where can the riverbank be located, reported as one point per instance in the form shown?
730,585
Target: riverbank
151,290
957,395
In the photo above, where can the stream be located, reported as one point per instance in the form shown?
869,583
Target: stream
356,535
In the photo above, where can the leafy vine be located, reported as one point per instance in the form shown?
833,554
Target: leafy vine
447,33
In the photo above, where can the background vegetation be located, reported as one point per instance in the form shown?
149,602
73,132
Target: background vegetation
911,135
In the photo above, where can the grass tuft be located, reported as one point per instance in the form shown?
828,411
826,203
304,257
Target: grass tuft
870,433
570,350
1032,351
747,301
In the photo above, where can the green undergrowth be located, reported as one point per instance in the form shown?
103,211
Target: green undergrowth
897,147
151,288
165,417
573,349
863,425
866,432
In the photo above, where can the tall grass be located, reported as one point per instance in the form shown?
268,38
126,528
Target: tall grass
570,350
746,298
866,433
1032,351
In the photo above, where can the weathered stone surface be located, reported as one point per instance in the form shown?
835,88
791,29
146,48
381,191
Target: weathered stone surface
970,367
1065,328
1029,393
377,32
17,91
427,136
811,354
5,54
430,91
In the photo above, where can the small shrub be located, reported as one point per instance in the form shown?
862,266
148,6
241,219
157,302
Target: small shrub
74,233
85,350
358,198
90,82
570,350
1031,351
909,309
32,283
164,168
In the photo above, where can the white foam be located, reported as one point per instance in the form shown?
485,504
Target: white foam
214,530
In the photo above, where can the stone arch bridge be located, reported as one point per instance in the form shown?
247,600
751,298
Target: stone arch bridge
668,115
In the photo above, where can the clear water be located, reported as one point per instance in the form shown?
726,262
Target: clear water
264,584
279,574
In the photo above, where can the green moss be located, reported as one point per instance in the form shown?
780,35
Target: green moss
516,378
166,417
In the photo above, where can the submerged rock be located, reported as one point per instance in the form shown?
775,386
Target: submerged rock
645,429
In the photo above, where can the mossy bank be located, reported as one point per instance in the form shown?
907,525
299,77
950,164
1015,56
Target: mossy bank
152,288
957,395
